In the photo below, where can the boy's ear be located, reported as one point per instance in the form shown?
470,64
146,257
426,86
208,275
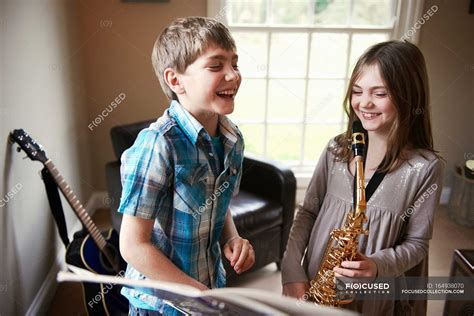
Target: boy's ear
173,80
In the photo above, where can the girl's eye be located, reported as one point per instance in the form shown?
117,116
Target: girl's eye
235,67
356,92
380,94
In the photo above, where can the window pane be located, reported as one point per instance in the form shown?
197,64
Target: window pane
372,12
329,12
328,55
284,141
325,99
252,51
286,99
253,138
290,12
360,42
250,101
246,12
286,67
288,55
316,138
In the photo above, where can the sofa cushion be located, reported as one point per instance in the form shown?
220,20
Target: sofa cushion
253,213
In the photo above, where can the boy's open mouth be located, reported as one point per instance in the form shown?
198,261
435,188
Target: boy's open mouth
227,94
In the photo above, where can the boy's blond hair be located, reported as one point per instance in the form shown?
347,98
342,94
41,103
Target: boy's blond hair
181,43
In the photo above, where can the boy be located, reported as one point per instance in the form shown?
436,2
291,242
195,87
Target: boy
180,174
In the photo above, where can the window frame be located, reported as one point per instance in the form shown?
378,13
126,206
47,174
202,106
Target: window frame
406,13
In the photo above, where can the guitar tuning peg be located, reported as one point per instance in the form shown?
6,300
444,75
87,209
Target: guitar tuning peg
18,149
24,157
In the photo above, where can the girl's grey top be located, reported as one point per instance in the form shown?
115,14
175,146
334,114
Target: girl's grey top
400,221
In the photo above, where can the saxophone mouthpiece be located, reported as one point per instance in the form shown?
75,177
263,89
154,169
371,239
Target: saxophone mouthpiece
358,138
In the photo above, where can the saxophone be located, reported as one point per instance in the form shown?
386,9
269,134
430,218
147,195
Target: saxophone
343,242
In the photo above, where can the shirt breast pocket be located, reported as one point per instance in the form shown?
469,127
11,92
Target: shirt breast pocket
235,173
191,182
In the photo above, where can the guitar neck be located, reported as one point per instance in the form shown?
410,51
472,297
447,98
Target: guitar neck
76,206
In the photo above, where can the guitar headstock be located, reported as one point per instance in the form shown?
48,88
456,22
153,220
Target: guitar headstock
32,149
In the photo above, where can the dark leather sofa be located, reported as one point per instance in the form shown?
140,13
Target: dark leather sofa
262,211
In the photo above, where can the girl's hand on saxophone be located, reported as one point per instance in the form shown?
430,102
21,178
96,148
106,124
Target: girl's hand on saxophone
361,267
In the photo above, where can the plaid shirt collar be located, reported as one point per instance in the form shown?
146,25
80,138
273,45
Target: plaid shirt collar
192,128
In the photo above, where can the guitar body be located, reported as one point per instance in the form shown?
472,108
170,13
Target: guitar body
100,299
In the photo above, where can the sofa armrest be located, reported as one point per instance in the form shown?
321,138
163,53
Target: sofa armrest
269,179
274,181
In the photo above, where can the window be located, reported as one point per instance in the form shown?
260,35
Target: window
296,58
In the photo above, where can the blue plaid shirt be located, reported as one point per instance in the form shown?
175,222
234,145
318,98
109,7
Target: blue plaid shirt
172,174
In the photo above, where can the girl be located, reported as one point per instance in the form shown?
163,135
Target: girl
388,92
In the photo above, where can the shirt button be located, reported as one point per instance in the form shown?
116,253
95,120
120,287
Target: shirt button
211,154
234,171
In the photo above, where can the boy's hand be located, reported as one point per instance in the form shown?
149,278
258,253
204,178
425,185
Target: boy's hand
240,254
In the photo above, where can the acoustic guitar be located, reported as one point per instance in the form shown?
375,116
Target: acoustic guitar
90,249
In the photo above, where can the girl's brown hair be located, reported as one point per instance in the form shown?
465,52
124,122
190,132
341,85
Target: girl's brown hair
402,67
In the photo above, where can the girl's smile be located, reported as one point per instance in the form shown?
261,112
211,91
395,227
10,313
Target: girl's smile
371,101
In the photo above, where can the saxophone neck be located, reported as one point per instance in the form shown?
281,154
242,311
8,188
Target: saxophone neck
360,186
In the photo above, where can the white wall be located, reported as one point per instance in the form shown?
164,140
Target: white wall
41,91
447,43
118,39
